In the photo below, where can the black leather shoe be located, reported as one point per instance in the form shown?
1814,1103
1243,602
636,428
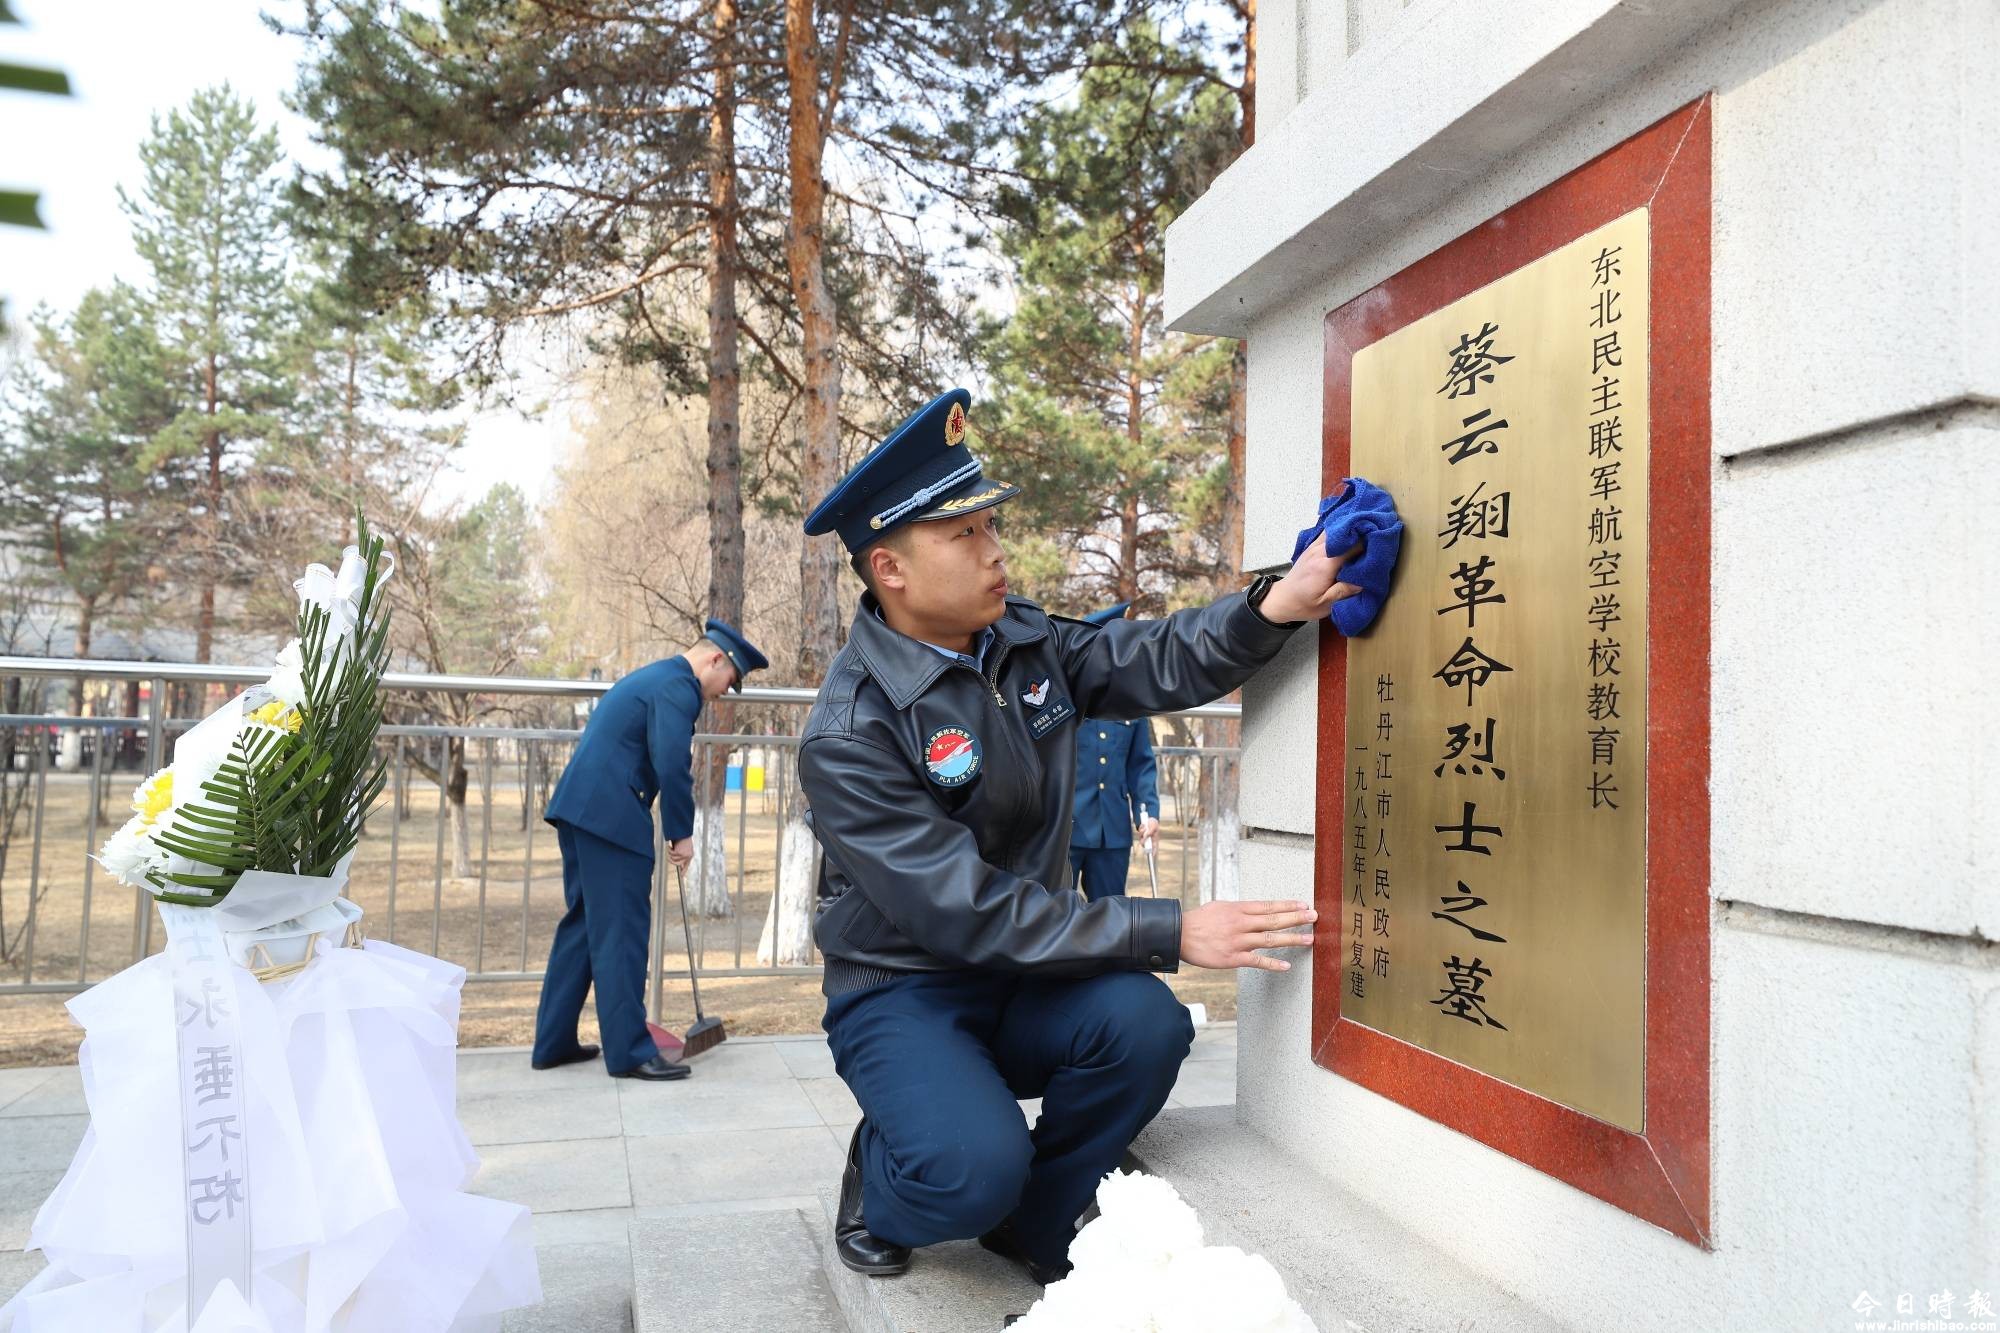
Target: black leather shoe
1003,1242
857,1247
576,1057
659,1069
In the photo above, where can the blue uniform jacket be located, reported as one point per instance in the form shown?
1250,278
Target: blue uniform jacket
637,745
1116,781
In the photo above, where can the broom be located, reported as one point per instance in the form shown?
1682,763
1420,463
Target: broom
706,1032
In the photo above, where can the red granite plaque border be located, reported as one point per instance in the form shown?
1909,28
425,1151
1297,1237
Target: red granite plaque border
1661,1175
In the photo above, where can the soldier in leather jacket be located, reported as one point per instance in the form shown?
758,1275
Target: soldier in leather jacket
961,974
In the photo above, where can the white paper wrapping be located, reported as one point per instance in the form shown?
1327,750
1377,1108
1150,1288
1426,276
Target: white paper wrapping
360,1222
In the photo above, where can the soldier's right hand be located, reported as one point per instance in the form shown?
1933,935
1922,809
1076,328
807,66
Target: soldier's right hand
1225,934
681,852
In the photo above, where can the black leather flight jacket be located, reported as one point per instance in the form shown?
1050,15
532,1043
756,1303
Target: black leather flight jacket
941,793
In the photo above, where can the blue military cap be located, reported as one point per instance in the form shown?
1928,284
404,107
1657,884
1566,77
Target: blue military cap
1108,614
924,470
742,654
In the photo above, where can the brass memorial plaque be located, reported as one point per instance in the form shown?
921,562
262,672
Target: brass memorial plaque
1493,860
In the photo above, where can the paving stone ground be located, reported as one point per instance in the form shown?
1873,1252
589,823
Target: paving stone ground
762,1126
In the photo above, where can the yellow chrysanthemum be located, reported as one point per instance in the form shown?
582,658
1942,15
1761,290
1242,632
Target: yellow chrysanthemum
154,796
276,714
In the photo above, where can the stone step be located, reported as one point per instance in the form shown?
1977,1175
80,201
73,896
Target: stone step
728,1273
1347,1264
952,1288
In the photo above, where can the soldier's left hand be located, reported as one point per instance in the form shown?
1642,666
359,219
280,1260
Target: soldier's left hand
1311,587
1224,934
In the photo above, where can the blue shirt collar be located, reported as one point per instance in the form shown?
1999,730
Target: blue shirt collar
978,649
973,660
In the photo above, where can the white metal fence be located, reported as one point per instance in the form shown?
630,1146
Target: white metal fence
476,880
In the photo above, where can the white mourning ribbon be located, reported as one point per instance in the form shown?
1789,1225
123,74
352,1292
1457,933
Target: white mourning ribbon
212,1080
214,1155
339,594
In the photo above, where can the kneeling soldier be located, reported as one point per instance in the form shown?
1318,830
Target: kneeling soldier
961,972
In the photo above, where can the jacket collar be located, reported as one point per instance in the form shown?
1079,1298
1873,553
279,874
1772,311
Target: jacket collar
905,668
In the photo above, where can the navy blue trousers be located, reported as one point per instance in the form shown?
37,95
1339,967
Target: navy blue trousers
937,1061
601,940
1101,870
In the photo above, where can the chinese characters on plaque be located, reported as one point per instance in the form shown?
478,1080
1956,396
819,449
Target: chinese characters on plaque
1494,850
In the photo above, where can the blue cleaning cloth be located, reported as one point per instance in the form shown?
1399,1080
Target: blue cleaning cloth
1359,511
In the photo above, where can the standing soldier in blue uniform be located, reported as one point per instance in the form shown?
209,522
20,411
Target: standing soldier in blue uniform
961,973
1117,790
638,744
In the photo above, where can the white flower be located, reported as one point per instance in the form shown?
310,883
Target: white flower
129,854
1141,1221
1141,1267
1221,1287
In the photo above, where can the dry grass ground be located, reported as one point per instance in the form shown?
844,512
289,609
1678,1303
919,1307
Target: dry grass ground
498,921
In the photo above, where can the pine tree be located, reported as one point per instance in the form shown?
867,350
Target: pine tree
1112,422
206,222
77,493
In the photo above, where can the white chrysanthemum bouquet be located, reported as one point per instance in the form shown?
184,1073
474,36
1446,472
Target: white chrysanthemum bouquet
279,778
1141,1267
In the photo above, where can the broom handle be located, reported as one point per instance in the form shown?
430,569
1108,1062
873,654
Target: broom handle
687,933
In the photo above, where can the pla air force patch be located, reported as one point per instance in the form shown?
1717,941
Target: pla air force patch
951,756
1035,694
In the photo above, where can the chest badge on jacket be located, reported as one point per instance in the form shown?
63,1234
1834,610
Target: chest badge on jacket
951,756
1054,715
1036,693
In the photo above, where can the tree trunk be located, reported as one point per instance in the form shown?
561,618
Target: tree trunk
128,739
805,261
819,568
352,493
1246,95
86,624
461,824
69,751
400,795
708,880
708,874
787,940
204,634
725,493
1135,420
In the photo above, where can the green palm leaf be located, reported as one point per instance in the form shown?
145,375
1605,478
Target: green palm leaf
295,802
